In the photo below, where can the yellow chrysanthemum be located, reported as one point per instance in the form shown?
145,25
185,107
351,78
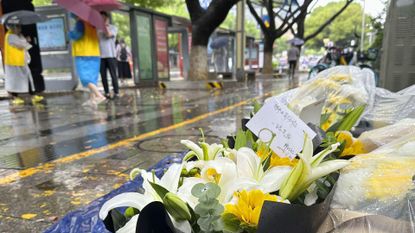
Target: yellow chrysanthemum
278,161
248,205
345,136
356,148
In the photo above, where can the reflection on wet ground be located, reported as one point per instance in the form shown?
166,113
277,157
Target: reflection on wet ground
59,156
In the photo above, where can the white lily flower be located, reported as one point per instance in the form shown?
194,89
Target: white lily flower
221,171
309,169
251,174
230,153
202,152
169,181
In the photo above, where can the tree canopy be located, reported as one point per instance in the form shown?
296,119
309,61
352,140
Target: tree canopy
152,4
341,31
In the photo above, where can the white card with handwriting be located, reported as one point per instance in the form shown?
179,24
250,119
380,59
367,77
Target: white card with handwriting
275,118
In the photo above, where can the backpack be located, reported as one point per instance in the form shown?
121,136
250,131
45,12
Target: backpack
123,54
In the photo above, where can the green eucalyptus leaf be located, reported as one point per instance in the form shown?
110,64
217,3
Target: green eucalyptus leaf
198,190
202,209
212,190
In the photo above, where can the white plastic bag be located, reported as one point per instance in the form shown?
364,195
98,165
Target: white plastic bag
390,107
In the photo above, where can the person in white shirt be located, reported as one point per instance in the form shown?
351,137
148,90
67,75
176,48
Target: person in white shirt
108,56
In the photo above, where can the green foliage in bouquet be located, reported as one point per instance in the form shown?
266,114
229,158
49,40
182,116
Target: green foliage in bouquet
309,169
244,139
209,210
347,121
257,106
176,207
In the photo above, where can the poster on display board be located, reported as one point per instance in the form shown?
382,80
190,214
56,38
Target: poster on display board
51,34
144,47
162,48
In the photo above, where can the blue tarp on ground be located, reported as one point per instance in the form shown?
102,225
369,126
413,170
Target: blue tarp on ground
86,220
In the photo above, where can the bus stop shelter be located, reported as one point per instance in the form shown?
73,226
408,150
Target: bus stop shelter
145,32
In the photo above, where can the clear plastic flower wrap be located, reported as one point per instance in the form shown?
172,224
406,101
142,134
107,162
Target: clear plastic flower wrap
376,192
375,138
390,107
339,88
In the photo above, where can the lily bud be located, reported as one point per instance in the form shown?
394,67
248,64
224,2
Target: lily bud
134,173
176,207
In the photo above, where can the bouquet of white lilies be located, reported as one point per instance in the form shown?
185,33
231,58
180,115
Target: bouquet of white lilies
218,188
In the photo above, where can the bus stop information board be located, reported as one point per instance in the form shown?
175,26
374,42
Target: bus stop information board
51,34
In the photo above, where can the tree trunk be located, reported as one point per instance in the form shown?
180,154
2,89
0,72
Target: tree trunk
198,63
198,54
204,23
267,69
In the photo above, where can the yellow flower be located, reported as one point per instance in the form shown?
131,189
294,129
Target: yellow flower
249,205
276,160
356,147
390,179
345,136
330,120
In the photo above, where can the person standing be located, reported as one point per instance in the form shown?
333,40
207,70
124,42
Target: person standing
85,50
108,56
123,58
292,56
17,73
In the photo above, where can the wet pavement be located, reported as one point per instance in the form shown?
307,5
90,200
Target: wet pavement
58,156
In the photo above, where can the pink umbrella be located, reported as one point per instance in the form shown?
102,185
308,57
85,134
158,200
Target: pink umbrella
104,5
83,11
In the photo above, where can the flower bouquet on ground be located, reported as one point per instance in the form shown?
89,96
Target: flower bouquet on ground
243,187
376,192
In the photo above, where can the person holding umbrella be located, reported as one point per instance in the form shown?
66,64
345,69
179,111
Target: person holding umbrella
18,76
85,46
86,51
293,55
